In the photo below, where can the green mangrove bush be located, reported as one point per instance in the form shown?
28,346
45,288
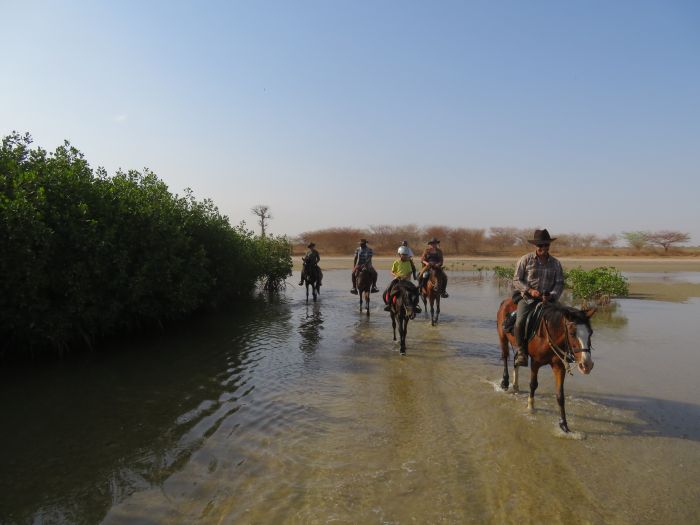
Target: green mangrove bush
85,255
599,284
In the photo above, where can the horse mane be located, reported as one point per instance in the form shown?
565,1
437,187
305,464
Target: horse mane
553,313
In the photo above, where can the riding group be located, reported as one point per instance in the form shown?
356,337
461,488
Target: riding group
432,280
531,321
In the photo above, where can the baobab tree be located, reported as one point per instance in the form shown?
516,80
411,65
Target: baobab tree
262,211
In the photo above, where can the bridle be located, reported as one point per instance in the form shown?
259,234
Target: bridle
566,355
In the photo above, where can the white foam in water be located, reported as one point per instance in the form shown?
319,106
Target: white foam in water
574,435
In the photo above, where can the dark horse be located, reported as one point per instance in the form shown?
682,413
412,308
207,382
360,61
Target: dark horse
364,285
430,291
403,298
312,278
562,337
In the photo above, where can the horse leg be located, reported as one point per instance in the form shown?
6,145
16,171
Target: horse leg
559,375
367,302
432,310
535,368
307,291
504,355
403,326
437,308
425,304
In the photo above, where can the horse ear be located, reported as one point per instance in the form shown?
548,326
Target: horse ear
590,311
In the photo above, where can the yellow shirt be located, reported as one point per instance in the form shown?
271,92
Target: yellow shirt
402,269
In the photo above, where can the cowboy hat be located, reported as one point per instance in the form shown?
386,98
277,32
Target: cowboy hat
433,241
541,237
311,245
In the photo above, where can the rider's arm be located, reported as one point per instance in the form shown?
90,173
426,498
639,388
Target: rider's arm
520,275
354,261
424,258
555,293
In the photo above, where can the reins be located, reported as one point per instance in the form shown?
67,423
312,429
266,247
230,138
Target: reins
560,353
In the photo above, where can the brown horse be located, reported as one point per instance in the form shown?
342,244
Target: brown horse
364,285
402,309
312,278
430,290
562,337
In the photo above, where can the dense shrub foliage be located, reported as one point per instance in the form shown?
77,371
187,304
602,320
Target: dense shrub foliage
84,255
598,284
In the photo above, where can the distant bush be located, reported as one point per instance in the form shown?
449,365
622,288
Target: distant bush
599,284
85,255
504,272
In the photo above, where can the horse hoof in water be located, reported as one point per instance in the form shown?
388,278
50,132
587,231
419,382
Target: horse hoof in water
504,385
564,427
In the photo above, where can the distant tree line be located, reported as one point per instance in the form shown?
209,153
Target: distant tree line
85,255
385,238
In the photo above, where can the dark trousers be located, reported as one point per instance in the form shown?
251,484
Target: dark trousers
524,308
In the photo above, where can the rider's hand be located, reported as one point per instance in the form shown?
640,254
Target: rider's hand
533,293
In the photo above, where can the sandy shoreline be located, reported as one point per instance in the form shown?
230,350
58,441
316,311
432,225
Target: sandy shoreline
625,264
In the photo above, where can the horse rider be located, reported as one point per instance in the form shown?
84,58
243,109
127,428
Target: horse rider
402,269
363,256
410,258
538,277
310,261
432,258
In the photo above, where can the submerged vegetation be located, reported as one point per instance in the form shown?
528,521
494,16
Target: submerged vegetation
85,255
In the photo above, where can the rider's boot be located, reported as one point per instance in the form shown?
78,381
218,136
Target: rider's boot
520,349
374,287
354,284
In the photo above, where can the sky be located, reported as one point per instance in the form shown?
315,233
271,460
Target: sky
577,116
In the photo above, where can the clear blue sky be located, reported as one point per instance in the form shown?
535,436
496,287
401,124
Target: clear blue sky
575,116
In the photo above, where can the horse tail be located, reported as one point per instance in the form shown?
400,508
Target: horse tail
502,337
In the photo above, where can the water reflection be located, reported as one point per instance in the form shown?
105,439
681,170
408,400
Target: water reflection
103,427
610,316
310,326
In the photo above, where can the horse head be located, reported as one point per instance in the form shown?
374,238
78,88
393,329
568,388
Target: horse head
578,334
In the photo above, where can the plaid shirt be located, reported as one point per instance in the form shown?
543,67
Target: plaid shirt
543,277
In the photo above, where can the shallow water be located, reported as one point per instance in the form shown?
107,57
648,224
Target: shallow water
292,413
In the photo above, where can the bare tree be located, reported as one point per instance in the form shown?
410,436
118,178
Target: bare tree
606,242
263,213
666,238
502,237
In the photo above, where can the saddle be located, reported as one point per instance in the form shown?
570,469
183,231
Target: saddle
532,322
394,291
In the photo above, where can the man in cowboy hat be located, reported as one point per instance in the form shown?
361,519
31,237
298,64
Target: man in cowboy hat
311,260
432,257
363,256
538,277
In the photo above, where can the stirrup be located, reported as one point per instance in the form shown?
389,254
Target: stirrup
354,290
387,308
